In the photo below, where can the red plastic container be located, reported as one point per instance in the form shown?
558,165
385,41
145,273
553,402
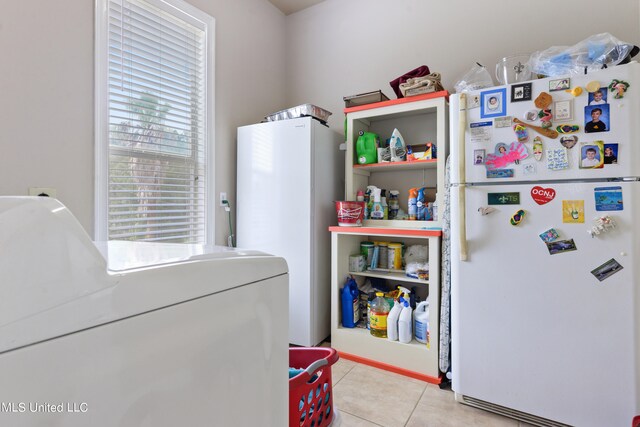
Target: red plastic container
350,214
310,392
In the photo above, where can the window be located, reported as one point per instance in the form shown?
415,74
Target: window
154,121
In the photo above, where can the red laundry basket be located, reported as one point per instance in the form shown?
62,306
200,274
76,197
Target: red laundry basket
310,392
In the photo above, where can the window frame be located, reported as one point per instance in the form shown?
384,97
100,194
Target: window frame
196,17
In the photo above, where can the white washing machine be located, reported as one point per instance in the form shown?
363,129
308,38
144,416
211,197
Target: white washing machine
135,334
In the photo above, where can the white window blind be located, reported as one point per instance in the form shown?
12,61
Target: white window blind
156,88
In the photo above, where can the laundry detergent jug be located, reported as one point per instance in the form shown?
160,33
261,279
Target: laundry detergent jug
367,148
350,297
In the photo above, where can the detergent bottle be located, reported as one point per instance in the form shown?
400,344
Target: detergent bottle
350,307
421,322
405,334
367,148
369,200
378,316
392,319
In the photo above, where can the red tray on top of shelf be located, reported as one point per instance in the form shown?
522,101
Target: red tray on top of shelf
442,93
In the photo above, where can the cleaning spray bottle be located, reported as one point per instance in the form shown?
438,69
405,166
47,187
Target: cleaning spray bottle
376,208
369,200
404,324
421,322
392,319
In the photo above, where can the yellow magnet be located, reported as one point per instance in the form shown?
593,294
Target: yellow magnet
592,86
576,91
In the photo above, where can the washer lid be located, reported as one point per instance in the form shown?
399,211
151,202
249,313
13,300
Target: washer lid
56,281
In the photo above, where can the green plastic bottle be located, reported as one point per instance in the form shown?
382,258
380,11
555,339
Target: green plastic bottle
367,148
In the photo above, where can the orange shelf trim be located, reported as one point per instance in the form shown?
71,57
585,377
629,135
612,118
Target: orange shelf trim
439,94
391,368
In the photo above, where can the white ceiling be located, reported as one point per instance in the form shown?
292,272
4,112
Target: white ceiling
292,6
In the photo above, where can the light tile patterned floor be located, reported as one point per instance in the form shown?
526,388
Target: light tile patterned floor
369,397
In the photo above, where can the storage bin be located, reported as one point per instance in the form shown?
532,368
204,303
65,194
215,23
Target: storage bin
310,392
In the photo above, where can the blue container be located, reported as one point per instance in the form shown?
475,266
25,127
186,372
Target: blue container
350,308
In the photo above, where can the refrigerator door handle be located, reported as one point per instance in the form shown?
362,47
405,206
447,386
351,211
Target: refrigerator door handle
462,175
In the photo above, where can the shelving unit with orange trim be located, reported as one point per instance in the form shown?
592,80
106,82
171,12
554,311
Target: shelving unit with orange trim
419,119
414,359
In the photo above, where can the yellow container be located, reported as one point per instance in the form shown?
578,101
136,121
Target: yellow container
394,256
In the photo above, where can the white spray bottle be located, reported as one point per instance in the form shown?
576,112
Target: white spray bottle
377,211
392,319
404,324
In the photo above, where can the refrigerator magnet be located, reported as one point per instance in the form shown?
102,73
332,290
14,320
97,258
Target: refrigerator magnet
598,97
618,88
608,198
541,195
560,84
522,134
493,103
537,148
505,155
480,132
557,159
529,168
543,100
563,110
601,224
573,211
500,173
517,217
478,157
560,246
503,122
592,155
568,141
473,101
503,198
521,92
596,118
607,269
550,235
567,128
486,210
610,154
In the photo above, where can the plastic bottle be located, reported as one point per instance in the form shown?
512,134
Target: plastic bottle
367,207
370,191
394,205
378,316
421,322
350,311
376,208
392,319
404,324
421,204
367,148
412,205
383,202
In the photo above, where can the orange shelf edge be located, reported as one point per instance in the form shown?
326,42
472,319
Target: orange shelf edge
439,94
391,368
400,231
387,164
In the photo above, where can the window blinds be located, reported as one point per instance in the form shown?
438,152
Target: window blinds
157,126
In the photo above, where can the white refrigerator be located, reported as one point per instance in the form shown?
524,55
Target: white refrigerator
289,174
545,298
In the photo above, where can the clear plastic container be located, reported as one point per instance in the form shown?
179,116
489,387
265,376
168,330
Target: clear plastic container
378,316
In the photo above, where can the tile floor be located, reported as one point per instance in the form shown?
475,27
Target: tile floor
369,397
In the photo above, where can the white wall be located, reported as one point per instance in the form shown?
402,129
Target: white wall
46,93
345,47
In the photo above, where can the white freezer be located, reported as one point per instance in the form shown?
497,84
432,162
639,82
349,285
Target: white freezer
146,335
288,179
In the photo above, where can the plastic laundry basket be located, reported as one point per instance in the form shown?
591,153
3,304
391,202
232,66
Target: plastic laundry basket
310,392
